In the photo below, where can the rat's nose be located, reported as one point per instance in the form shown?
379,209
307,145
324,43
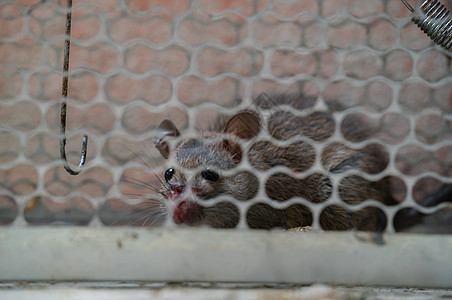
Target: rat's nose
188,212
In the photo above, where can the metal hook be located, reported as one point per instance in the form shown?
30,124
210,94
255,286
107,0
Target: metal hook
63,110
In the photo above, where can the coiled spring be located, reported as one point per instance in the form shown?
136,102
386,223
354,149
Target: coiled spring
435,20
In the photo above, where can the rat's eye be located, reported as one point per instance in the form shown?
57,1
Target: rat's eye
169,174
210,175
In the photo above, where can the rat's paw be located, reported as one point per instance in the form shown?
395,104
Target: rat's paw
301,229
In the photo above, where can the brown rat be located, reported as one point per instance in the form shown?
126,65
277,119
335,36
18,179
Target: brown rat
210,154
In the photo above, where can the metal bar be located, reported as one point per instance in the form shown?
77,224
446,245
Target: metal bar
181,255
408,5
63,111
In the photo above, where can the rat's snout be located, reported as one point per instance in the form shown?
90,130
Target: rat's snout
187,211
182,203
175,193
196,191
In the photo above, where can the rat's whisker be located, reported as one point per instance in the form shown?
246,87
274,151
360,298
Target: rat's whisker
154,210
147,216
139,183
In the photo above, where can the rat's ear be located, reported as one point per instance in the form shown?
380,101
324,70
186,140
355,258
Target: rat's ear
165,131
245,125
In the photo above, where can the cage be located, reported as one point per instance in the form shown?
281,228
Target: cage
368,94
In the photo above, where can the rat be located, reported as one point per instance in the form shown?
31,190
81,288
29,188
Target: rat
212,152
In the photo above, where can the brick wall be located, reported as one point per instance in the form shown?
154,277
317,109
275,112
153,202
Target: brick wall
136,62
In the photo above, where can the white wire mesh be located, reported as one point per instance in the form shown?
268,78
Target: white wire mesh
134,64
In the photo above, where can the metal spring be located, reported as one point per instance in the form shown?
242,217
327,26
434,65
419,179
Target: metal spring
435,20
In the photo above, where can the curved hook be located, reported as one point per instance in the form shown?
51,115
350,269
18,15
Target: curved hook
63,109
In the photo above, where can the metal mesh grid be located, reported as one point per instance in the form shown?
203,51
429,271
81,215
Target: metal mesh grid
135,63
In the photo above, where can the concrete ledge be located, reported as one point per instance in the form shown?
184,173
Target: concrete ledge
200,255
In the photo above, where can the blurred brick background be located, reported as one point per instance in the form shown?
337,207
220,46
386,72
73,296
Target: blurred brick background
134,63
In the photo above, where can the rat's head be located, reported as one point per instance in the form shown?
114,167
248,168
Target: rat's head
198,172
